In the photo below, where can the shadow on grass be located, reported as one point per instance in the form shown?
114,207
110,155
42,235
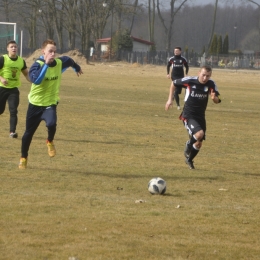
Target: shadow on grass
83,141
126,175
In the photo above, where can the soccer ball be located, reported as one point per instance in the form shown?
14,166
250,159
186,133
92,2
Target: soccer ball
157,186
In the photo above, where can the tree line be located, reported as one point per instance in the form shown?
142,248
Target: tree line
77,24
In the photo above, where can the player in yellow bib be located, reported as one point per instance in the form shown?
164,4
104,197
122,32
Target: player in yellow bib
45,75
11,66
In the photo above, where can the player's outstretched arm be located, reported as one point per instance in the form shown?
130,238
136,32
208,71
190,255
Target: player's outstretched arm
170,98
26,74
79,72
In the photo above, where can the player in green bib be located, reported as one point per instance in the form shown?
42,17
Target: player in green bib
11,66
45,75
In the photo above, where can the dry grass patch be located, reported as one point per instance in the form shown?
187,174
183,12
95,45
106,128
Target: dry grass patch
113,136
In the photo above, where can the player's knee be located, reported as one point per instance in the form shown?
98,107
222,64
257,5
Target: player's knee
198,144
51,125
200,135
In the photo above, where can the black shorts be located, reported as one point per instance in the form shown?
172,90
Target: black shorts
194,125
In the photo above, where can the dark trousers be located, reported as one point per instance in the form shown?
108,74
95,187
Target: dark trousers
35,115
12,96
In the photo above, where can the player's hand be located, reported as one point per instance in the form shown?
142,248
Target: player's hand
212,94
168,76
79,73
4,81
49,58
168,104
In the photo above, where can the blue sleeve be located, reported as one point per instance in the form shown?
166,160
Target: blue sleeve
37,72
69,62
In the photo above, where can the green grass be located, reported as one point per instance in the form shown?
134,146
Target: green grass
113,136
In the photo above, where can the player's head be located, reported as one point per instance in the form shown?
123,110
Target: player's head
205,74
11,42
49,49
11,47
48,41
177,50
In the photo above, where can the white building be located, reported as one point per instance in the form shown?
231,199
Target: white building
138,44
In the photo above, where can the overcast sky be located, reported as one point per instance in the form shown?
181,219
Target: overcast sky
204,2
220,2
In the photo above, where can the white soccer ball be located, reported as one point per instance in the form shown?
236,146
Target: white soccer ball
157,186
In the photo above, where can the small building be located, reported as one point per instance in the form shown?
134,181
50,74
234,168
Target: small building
138,44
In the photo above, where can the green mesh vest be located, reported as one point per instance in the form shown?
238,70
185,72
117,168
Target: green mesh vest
11,71
47,93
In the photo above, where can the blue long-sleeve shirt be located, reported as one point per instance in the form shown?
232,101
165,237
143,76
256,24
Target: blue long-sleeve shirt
37,72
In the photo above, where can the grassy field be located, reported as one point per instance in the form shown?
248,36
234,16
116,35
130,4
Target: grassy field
113,136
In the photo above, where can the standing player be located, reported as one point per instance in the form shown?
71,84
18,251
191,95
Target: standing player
45,75
11,66
198,89
176,63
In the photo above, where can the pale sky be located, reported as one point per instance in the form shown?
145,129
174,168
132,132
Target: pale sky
204,2
220,2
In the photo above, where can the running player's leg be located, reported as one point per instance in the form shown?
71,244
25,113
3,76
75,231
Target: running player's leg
3,98
13,103
33,119
50,118
197,133
176,94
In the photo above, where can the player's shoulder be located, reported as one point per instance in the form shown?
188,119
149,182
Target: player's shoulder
211,82
183,58
64,58
189,79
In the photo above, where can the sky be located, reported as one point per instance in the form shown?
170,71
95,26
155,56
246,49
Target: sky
220,2
204,2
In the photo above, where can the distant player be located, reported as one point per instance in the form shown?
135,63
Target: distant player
198,89
11,66
45,75
177,64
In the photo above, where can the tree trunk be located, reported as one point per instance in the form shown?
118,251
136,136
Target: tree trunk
169,30
133,17
213,25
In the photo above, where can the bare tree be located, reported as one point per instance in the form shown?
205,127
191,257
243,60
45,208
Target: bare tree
99,14
29,11
125,10
213,24
58,9
151,19
133,15
84,24
47,12
258,6
5,4
168,28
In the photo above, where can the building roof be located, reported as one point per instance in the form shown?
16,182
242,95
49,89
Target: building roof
142,41
106,40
